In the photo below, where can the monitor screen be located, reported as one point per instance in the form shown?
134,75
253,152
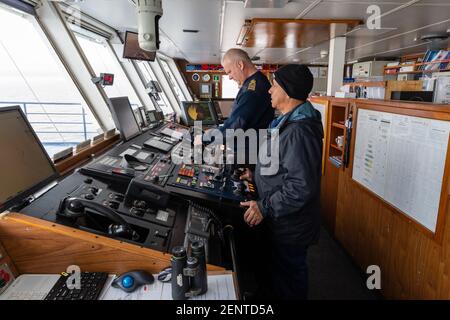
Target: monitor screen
124,118
24,165
205,89
131,49
152,116
225,107
199,111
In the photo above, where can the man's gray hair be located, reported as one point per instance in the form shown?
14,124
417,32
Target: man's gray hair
235,55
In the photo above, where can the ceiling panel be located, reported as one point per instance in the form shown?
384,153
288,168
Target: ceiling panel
201,15
291,33
346,9
270,55
205,16
119,14
236,14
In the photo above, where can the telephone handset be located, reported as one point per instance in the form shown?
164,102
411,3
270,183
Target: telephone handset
73,208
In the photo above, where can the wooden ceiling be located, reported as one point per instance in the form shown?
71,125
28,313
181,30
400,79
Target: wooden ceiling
291,33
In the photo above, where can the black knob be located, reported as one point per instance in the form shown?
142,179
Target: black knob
94,190
75,206
89,196
137,212
118,197
113,205
88,181
139,204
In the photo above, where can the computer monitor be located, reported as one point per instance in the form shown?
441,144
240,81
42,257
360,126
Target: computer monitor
132,50
159,116
25,166
199,111
205,90
225,107
124,118
152,116
139,118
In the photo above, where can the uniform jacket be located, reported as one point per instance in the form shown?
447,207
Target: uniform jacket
252,107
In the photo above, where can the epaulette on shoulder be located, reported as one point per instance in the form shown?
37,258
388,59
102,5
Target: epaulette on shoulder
252,85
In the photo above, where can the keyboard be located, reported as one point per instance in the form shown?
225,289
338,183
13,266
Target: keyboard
92,284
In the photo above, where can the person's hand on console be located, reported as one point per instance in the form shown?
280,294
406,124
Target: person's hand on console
253,215
247,175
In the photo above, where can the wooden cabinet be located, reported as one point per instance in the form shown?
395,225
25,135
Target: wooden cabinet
334,156
413,264
393,85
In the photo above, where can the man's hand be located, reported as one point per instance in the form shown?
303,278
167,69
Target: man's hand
247,175
252,216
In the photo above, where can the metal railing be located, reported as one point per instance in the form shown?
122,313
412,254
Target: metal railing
82,121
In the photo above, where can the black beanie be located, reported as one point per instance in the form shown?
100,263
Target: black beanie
296,80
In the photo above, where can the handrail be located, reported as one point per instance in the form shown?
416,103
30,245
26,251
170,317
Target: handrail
80,122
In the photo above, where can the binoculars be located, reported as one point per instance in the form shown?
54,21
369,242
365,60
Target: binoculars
189,276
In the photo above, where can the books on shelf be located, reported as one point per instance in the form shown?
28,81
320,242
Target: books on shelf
435,60
336,161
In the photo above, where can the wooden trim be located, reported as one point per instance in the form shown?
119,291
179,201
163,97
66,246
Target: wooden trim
350,22
6,259
39,246
273,32
77,159
414,263
326,105
412,105
367,84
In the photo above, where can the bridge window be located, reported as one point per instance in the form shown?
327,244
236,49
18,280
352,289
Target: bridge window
33,77
230,88
172,80
103,60
148,74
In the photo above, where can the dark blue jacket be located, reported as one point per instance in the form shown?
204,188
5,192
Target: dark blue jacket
289,199
252,108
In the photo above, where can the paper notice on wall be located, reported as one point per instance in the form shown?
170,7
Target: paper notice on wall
401,159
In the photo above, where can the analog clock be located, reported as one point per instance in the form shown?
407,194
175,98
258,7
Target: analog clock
195,77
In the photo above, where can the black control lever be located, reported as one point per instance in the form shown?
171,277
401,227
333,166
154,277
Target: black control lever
72,208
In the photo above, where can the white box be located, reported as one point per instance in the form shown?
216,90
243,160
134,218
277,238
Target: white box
340,94
369,69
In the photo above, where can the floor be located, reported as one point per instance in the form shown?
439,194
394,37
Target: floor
333,275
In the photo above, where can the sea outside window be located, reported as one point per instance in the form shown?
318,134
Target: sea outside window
33,77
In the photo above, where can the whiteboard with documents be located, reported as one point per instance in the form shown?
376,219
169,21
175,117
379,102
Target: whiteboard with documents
401,159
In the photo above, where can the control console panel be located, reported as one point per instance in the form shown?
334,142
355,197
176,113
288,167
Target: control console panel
213,181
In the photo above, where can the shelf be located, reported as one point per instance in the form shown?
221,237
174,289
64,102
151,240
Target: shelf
417,64
367,84
422,71
338,125
336,147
